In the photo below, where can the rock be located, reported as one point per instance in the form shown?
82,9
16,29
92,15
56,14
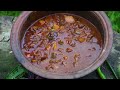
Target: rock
7,60
114,56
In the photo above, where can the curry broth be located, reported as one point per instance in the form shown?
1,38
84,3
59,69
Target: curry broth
62,43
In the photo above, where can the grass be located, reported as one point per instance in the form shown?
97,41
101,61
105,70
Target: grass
10,13
114,17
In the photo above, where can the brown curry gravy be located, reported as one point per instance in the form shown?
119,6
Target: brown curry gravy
62,43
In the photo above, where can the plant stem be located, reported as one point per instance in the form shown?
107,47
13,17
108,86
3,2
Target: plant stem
101,73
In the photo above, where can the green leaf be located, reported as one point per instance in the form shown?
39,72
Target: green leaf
112,70
16,73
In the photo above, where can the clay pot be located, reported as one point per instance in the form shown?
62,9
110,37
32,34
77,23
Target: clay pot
97,18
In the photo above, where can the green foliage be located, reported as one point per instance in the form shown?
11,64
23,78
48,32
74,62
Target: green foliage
114,73
118,70
17,73
10,13
115,19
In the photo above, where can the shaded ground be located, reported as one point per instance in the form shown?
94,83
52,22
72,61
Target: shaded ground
8,61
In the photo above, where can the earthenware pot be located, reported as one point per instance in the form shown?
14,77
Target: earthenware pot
97,18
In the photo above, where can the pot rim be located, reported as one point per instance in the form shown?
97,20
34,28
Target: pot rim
104,54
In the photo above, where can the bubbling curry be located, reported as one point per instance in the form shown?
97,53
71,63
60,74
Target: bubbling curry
61,43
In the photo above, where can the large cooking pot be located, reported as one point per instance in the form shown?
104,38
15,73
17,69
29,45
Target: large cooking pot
97,18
